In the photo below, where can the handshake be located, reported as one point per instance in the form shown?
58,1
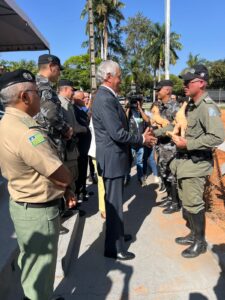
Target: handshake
149,139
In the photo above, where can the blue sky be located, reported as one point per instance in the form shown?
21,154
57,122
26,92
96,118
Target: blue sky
201,24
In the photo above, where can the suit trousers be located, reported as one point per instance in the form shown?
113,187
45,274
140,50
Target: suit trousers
82,174
114,236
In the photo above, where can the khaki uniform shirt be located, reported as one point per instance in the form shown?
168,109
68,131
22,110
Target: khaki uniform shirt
27,159
204,132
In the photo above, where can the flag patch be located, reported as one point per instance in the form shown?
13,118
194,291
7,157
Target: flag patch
36,139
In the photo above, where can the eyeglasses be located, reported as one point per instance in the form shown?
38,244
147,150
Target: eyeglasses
187,82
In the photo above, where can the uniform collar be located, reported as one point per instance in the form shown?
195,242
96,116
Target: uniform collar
44,79
64,98
199,101
167,103
16,112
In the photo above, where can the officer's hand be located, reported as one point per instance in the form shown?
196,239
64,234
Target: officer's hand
180,142
149,139
69,133
71,199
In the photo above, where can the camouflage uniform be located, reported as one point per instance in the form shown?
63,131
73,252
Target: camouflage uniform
166,149
50,116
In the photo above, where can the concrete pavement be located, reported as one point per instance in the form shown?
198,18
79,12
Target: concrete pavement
158,272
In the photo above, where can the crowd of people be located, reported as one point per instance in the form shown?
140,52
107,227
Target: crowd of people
49,137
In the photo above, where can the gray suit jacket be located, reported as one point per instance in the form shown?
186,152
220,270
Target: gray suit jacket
112,136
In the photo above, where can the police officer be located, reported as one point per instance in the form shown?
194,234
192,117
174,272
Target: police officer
194,161
65,94
50,116
37,179
165,148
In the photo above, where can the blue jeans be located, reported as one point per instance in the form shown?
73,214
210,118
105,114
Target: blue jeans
139,160
149,156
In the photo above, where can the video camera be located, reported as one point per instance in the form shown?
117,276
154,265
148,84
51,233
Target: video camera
133,99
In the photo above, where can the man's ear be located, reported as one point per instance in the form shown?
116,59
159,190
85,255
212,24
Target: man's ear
25,97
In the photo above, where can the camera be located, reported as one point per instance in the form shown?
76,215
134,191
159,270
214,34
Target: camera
133,99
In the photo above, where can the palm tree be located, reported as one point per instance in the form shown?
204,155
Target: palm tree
156,48
194,60
105,13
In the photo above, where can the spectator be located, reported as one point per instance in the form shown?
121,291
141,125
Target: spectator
84,141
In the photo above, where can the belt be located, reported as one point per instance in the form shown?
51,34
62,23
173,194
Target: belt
40,205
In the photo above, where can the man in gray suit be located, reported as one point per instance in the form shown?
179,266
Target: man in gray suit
113,142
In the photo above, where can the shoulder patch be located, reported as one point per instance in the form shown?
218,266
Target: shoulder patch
46,94
213,112
36,139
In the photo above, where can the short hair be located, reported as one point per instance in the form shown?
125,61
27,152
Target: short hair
106,67
9,95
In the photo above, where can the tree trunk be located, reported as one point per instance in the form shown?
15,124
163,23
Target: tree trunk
154,85
105,32
92,47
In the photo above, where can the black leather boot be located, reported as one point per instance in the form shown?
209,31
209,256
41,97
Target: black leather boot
174,206
199,246
190,238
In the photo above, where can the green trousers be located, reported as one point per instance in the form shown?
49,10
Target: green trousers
191,192
37,231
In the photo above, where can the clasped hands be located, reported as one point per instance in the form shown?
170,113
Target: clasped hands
149,138
180,142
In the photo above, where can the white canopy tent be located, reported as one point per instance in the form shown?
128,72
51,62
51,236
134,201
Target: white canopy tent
17,32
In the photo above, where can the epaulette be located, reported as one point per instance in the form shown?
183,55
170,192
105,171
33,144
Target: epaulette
29,122
207,99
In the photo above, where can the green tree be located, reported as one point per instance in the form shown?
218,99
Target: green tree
77,69
217,74
29,65
137,30
155,50
107,18
194,60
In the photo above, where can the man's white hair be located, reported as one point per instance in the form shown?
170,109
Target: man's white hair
10,94
106,67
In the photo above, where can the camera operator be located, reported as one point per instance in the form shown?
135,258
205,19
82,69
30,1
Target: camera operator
136,126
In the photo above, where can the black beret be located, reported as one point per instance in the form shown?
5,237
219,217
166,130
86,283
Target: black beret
197,71
17,76
65,82
49,58
163,83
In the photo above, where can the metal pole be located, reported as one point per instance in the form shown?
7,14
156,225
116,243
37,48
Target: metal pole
92,46
167,39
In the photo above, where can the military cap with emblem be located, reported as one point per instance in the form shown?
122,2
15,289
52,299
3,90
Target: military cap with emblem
197,71
17,76
65,82
49,58
163,83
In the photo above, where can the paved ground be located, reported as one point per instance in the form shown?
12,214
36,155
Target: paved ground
157,273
